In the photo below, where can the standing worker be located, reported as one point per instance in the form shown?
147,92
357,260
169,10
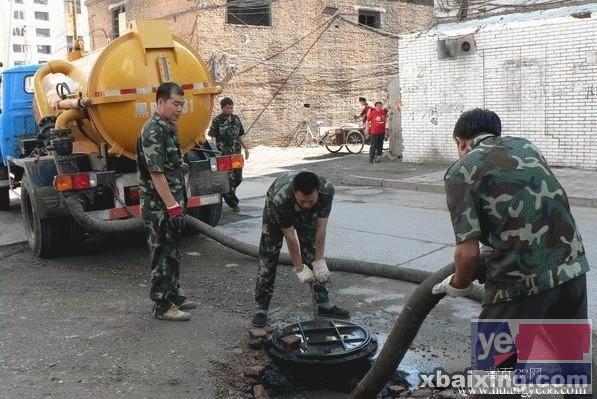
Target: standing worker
297,204
163,197
376,122
502,193
228,131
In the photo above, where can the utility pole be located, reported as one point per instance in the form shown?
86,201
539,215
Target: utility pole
74,12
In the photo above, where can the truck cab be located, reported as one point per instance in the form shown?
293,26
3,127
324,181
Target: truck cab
16,120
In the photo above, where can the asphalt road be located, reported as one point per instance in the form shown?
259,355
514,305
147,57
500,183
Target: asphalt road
80,326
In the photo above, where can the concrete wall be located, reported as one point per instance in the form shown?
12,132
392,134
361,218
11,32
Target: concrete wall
540,76
346,62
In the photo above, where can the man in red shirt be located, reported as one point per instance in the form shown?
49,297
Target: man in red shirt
376,121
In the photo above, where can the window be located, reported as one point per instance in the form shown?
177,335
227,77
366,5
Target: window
69,43
18,48
41,62
118,20
44,49
29,84
18,1
42,32
19,63
19,15
68,6
42,16
40,2
370,18
18,31
256,13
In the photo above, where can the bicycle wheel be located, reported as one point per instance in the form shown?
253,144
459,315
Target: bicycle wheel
299,138
355,142
333,148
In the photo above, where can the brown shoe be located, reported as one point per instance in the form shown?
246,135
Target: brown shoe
174,314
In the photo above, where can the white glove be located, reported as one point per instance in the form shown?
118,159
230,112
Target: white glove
445,288
306,276
321,271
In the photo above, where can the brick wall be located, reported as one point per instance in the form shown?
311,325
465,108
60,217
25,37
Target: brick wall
346,62
539,76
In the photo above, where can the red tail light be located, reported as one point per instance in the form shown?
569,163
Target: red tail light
75,181
225,162
131,195
81,181
134,194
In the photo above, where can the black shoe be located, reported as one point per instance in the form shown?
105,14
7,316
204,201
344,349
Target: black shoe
259,320
334,312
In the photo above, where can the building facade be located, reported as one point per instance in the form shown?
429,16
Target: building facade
274,56
536,70
35,31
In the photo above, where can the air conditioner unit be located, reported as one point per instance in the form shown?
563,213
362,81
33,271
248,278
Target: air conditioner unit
453,47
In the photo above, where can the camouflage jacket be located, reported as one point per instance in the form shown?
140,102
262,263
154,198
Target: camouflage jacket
158,150
503,194
282,209
227,132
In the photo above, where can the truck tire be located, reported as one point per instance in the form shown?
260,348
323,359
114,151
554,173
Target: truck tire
209,214
4,199
47,238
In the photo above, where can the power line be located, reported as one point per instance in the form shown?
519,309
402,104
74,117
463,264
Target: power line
243,3
327,22
291,73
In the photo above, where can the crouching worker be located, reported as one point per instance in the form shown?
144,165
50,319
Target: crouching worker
297,208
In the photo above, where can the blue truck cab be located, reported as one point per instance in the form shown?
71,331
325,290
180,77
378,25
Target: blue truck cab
16,120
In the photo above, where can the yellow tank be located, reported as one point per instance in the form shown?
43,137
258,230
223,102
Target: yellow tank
112,90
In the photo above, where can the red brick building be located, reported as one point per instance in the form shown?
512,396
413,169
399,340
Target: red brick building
273,56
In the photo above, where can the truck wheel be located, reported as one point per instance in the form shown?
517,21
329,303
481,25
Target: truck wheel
4,199
209,214
47,237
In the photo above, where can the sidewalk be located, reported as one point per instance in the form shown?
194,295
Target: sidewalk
579,184
355,170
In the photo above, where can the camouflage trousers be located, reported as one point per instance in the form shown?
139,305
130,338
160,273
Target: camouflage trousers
235,177
269,252
164,257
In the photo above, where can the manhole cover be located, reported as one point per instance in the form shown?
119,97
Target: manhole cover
322,342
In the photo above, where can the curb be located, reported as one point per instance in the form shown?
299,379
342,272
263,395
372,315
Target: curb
13,244
353,180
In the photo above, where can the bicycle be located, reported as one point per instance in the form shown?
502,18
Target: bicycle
305,135
333,139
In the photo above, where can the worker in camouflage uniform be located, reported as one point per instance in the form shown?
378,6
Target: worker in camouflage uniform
228,131
163,197
297,204
502,193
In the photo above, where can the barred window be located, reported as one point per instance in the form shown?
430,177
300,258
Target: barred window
249,12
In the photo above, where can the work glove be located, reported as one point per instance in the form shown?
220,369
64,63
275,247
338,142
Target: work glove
306,276
176,218
321,271
445,288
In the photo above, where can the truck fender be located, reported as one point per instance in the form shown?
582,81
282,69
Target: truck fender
39,176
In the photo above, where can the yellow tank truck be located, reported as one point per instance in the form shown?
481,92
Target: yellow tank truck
77,173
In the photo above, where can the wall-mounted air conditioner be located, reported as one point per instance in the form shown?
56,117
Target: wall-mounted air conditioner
453,47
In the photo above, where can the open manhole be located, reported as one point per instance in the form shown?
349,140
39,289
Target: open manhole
322,342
